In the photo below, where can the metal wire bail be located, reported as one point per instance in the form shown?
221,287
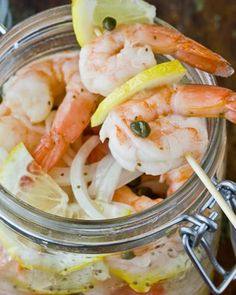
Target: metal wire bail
3,29
194,235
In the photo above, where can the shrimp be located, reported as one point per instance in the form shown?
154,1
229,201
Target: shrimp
170,139
73,114
176,178
29,93
188,100
170,112
37,87
116,56
14,131
138,203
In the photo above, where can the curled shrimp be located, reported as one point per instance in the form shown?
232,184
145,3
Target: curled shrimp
34,89
138,203
170,112
116,56
164,149
72,116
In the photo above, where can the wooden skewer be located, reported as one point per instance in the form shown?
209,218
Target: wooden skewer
212,189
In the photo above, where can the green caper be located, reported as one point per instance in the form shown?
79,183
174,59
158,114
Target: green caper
128,255
109,23
140,128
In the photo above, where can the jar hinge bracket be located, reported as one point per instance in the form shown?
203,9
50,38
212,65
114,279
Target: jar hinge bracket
195,235
3,29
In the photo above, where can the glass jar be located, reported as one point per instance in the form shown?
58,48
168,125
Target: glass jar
142,253
5,14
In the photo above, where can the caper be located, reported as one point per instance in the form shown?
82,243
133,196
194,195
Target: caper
140,128
109,23
128,255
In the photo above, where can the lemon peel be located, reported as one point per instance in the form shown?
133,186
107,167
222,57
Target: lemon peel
142,282
25,179
161,74
88,15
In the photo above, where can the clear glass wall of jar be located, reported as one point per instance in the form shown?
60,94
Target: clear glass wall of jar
5,14
142,253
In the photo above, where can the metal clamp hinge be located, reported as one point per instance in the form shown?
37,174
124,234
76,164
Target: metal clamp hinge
3,29
195,236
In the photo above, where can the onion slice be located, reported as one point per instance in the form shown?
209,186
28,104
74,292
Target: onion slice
61,175
128,176
77,180
110,176
106,179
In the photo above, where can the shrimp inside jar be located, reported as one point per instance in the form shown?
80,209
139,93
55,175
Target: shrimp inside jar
52,158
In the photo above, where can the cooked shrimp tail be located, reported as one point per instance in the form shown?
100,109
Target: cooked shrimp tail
72,117
165,40
204,101
117,56
51,148
139,203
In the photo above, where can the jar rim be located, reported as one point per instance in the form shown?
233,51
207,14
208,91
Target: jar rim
84,235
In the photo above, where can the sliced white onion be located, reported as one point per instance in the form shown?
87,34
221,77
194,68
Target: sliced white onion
113,209
78,183
106,179
109,184
128,176
61,175
89,171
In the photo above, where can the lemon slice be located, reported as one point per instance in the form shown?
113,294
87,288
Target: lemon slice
161,74
24,178
142,282
75,283
88,15
32,256
141,277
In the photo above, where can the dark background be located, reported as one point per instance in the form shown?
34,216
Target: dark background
211,22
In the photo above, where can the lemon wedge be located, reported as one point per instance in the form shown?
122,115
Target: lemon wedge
25,179
88,15
75,283
161,74
143,281
32,256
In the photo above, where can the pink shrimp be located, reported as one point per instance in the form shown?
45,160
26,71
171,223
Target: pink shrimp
172,134
176,178
116,56
186,100
139,203
72,116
